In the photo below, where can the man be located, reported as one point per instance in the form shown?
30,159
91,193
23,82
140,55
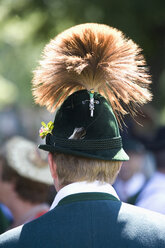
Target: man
90,68
24,180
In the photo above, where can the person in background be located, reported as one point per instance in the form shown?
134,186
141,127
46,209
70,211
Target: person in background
87,70
153,195
135,172
131,178
24,180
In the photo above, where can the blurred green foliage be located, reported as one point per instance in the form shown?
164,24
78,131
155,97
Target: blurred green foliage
27,25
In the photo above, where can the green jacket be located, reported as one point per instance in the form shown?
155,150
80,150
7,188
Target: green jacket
90,220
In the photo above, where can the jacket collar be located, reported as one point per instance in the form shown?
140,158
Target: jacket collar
83,187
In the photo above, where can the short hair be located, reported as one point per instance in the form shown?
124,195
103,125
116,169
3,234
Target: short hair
27,189
75,168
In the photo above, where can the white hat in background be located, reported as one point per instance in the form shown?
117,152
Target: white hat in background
24,157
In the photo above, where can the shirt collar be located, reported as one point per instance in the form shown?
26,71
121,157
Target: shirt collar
83,187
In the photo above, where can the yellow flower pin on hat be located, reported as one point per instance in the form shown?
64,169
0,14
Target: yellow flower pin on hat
45,129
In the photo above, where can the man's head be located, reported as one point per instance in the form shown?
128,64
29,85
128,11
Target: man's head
66,169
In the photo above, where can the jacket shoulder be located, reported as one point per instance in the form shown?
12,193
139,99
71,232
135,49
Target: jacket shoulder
27,235
143,219
10,238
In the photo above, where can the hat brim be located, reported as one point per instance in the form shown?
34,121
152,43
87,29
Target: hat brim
22,156
110,155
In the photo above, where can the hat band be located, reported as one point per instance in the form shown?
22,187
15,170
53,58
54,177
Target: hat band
99,144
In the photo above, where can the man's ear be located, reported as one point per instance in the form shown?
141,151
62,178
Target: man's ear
52,166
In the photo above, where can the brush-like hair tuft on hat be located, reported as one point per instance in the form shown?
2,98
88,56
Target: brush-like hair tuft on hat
93,56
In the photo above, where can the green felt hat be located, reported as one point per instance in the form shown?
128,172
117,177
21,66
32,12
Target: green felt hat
94,74
76,132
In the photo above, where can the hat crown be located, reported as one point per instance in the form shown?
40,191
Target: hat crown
77,132
75,113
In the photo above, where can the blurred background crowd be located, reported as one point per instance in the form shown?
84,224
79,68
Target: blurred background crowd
25,27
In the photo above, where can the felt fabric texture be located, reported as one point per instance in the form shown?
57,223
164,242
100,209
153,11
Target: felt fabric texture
102,137
90,223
